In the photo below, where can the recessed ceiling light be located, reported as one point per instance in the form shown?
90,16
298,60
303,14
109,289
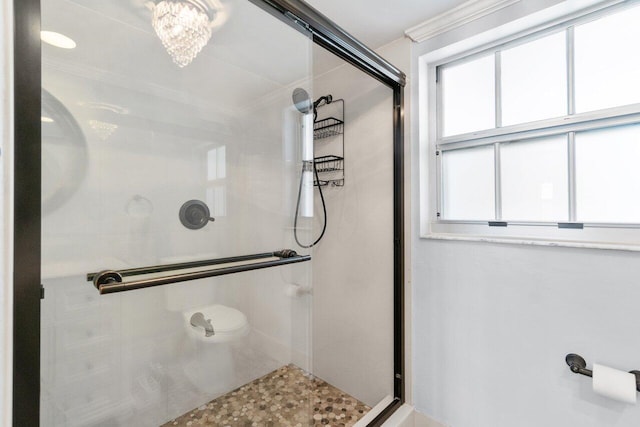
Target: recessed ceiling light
57,39
45,119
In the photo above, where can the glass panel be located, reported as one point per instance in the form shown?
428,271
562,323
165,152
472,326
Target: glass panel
468,96
534,178
468,184
353,265
534,80
131,133
606,69
607,175
6,275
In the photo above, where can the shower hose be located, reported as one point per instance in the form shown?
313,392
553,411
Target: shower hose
324,208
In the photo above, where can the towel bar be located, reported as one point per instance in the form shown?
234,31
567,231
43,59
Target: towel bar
111,281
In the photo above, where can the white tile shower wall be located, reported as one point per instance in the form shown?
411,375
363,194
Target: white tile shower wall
353,264
270,182
492,323
142,332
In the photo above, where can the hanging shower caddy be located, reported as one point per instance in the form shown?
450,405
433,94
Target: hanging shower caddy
328,134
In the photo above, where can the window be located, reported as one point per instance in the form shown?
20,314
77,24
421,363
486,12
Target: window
540,136
216,174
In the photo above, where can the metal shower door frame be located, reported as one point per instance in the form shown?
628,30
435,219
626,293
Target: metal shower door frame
27,290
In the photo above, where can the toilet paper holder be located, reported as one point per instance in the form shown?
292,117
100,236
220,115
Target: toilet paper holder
578,365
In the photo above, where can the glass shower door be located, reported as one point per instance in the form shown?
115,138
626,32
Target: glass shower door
157,153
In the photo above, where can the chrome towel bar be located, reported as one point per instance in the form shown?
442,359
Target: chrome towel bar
111,281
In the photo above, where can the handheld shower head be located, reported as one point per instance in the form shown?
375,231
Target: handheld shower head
303,103
302,100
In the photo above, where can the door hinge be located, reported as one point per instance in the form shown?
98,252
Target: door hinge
41,291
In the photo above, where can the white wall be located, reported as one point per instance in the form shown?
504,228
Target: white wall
353,264
6,208
493,322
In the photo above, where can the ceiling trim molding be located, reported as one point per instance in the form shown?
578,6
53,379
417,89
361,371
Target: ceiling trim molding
458,16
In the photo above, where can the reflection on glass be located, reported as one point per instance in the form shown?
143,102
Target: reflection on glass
468,183
607,175
156,136
534,80
607,65
139,207
103,129
468,99
64,157
534,179
217,163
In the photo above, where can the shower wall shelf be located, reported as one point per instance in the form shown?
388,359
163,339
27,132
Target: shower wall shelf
329,163
329,131
328,127
111,281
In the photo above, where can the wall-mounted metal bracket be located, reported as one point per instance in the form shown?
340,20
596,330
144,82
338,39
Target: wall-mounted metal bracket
578,365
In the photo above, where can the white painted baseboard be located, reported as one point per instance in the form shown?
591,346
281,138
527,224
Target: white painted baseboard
421,420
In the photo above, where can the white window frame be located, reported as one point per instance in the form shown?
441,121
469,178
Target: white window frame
623,236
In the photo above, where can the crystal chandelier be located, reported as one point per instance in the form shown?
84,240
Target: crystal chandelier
103,129
184,27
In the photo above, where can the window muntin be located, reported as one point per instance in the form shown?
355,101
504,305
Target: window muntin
563,193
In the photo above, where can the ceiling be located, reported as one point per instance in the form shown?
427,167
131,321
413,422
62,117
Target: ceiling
378,22
119,61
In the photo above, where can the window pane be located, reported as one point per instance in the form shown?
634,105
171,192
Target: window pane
608,175
607,63
534,80
535,180
468,96
468,184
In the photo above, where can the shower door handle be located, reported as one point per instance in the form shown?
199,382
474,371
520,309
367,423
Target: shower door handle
110,281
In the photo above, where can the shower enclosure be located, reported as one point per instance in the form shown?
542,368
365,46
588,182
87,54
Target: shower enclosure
172,283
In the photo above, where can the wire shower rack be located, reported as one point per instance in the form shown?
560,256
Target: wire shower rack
330,167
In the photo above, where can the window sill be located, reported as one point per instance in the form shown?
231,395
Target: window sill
532,242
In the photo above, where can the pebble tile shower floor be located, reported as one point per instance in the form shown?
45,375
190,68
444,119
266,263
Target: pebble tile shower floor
285,397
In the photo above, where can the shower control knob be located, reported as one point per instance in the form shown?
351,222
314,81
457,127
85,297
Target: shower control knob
195,214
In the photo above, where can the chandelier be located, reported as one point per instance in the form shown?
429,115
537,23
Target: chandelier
184,27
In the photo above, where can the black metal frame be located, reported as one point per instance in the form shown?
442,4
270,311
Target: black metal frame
27,187
26,228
